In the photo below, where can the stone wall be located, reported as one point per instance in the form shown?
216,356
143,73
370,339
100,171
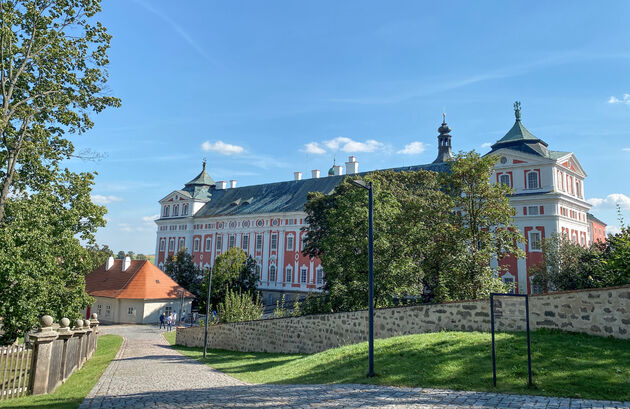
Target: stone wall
604,312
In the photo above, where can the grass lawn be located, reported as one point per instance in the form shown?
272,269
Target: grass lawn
71,394
564,364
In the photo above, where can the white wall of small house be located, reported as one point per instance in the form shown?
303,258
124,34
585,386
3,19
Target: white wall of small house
135,311
153,309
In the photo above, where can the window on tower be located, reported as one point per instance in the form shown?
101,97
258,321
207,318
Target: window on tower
534,241
166,211
505,180
175,210
184,209
532,180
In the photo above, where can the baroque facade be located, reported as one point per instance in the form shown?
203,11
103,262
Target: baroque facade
208,217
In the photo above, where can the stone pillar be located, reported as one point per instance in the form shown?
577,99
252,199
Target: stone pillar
94,324
80,333
42,348
65,334
87,351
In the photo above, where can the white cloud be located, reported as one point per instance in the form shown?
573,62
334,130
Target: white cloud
314,148
625,149
611,201
150,219
348,145
624,100
125,227
102,200
486,144
612,230
222,147
413,148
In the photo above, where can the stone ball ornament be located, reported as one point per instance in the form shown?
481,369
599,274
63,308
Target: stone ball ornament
78,323
94,316
86,323
64,322
46,321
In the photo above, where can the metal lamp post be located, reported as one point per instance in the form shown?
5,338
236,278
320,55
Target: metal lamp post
205,335
368,186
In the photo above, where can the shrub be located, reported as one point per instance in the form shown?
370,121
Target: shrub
238,307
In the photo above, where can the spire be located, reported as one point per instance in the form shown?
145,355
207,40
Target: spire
204,164
444,142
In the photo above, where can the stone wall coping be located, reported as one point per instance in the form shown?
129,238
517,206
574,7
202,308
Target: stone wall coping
583,290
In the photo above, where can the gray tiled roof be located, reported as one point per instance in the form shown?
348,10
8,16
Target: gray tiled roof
289,196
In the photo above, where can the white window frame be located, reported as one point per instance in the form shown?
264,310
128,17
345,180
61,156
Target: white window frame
529,179
259,241
319,273
162,244
130,311
166,211
185,209
175,210
288,274
171,244
196,244
274,241
231,241
219,242
272,272
245,242
536,211
181,243
303,275
208,244
290,242
531,241
507,176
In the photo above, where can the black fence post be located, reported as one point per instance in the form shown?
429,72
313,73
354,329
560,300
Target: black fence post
494,365
529,349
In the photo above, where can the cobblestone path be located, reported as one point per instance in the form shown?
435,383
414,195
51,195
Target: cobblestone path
148,374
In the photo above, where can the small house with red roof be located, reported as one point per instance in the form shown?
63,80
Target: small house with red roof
134,292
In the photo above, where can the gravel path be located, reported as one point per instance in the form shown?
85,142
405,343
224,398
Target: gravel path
147,373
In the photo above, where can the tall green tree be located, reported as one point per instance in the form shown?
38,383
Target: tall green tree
181,268
42,260
52,75
233,270
484,225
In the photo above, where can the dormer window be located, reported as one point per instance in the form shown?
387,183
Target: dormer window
185,209
175,210
532,180
166,211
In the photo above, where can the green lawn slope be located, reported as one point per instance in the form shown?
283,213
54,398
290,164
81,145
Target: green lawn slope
564,364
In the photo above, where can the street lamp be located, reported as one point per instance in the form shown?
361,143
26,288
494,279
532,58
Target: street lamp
368,186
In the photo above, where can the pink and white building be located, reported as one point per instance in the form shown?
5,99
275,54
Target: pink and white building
208,217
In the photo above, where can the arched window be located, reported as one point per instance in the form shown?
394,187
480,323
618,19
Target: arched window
208,244
196,244
320,275
532,180
162,245
290,242
180,246
171,245
303,274
176,210
184,209
272,273
166,211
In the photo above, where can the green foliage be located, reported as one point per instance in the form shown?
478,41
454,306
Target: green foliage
616,262
52,74
238,306
42,261
181,268
280,311
422,246
296,307
484,228
99,255
234,270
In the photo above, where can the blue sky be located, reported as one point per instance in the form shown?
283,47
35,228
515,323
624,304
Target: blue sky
262,89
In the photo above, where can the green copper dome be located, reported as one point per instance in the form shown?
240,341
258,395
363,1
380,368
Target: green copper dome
331,171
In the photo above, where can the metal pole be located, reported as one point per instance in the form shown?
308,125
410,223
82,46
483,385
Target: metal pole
205,335
181,307
371,282
494,366
529,351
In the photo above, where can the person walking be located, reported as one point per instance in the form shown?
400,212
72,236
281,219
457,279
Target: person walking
162,319
174,319
169,321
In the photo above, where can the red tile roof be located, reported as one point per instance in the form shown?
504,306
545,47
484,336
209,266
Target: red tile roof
141,280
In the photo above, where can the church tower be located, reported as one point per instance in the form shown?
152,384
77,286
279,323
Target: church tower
444,143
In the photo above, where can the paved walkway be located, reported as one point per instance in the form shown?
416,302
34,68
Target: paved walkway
149,374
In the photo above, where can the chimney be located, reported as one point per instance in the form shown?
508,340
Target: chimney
297,175
352,166
110,263
221,185
338,169
126,263
315,173
232,184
